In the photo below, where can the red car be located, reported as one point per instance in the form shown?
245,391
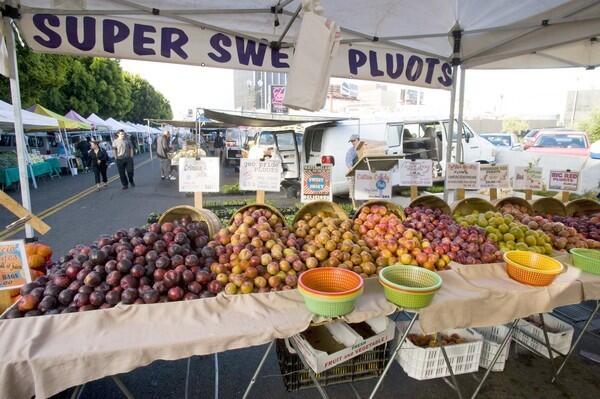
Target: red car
560,142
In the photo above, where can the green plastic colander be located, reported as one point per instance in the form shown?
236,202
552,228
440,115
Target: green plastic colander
409,287
587,260
329,308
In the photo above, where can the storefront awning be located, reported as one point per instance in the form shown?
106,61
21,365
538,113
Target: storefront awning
255,119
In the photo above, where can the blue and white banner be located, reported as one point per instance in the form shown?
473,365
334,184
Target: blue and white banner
103,36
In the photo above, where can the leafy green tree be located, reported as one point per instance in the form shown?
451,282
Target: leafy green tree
40,76
86,85
147,102
80,93
112,92
591,125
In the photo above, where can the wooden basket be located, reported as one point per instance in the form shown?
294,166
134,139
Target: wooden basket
395,208
199,215
431,201
327,207
582,206
549,206
259,206
469,205
515,201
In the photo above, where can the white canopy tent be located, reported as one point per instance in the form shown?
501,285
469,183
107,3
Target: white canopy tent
97,121
115,125
31,120
128,127
420,43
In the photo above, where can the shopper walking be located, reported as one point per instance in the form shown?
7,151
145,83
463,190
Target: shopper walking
99,162
351,159
218,145
83,146
124,156
163,148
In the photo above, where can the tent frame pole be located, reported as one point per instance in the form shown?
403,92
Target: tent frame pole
15,92
461,103
450,132
456,34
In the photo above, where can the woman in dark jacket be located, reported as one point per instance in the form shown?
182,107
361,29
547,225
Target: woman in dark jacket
99,161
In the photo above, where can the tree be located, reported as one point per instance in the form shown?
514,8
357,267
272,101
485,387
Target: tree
112,92
514,125
80,93
147,102
85,84
40,76
591,125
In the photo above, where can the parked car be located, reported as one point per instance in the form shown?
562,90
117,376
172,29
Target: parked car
508,141
529,138
561,142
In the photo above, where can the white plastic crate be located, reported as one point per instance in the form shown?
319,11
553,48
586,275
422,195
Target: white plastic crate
427,363
492,339
560,335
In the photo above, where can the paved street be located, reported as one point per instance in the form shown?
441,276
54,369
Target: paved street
84,220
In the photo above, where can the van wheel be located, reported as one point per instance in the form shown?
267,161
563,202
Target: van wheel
291,192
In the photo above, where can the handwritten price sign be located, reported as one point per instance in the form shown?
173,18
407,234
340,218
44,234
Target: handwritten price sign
14,270
527,178
256,175
415,173
462,175
493,176
563,180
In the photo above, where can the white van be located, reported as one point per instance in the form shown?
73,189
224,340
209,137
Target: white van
287,142
327,143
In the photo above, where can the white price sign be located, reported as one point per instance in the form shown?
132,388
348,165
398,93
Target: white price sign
462,175
493,176
563,180
199,175
376,185
528,178
415,173
256,175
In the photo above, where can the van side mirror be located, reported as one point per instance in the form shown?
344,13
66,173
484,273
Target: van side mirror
467,137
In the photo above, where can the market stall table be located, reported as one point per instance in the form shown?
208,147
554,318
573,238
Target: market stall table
49,167
33,347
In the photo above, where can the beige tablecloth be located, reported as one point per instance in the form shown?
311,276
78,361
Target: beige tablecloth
45,355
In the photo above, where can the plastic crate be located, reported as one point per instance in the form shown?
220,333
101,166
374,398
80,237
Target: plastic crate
296,377
560,335
428,363
492,339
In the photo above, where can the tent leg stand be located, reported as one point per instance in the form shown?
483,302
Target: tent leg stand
77,391
583,330
393,355
495,358
122,387
547,342
454,384
258,369
311,373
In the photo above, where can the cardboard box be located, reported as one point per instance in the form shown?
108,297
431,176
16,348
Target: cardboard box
353,343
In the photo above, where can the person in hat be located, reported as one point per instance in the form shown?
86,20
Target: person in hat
351,159
124,155
99,162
